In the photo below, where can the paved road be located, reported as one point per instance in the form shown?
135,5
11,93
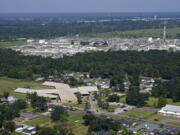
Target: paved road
93,103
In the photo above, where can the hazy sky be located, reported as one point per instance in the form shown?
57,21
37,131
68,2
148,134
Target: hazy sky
19,6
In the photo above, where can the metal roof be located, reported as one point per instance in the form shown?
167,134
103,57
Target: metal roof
171,108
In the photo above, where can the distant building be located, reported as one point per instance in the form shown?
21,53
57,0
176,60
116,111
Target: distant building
30,40
42,41
170,110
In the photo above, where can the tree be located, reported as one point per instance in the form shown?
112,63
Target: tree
4,132
113,98
37,102
56,130
58,113
46,131
135,98
78,95
21,104
98,124
9,126
87,106
162,102
6,95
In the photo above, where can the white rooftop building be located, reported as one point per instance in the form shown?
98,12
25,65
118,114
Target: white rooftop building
61,90
170,110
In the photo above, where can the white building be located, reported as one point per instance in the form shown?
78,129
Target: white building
30,40
170,110
61,91
42,41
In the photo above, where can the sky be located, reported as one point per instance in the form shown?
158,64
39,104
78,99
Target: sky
70,6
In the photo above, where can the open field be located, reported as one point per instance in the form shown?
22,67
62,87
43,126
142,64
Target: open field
8,84
152,102
76,122
155,117
12,43
156,33
174,123
123,99
138,114
37,121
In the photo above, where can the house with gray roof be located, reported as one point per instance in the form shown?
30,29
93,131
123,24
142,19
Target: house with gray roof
146,127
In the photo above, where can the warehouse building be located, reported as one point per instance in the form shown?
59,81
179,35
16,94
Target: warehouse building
170,110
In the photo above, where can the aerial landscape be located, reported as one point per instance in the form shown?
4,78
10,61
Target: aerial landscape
89,67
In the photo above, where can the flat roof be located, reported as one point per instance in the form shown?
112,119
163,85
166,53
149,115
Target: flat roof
171,108
61,89
56,85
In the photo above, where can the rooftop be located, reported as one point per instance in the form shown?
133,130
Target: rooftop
171,108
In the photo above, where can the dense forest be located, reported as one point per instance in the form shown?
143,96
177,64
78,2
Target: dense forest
113,65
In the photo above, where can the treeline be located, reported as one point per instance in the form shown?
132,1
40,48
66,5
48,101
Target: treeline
107,125
168,89
113,65
49,28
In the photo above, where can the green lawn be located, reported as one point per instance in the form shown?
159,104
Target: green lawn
152,101
140,132
37,121
8,84
76,122
138,114
174,123
29,108
123,99
155,117
12,43
175,103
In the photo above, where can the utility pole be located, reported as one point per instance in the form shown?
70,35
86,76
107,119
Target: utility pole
164,33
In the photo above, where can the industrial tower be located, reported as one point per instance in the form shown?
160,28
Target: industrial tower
164,33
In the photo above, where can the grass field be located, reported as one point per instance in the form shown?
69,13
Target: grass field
140,132
76,122
29,108
156,33
8,84
138,114
37,121
155,117
123,99
152,102
12,43
174,123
